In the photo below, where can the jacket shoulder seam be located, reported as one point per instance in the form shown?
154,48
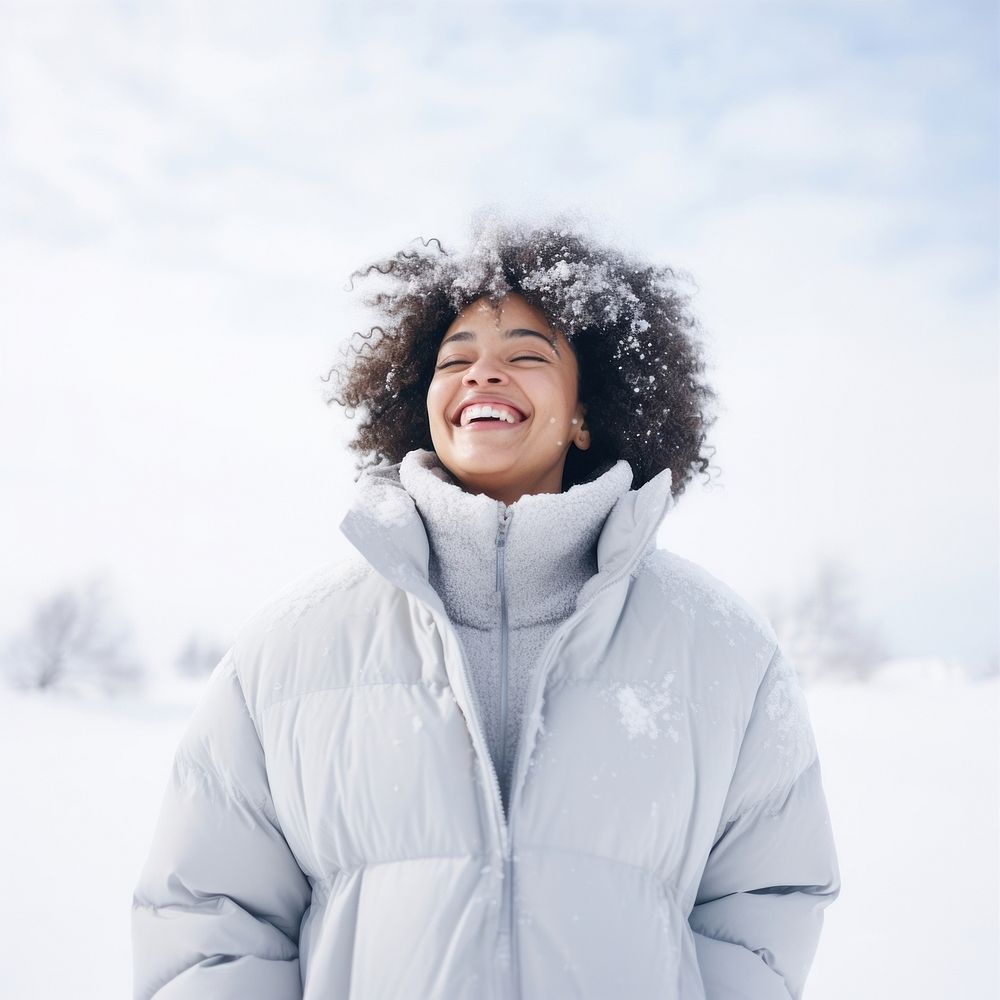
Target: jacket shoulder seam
242,693
775,799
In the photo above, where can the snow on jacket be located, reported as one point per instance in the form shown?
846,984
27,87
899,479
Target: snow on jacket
508,576
333,826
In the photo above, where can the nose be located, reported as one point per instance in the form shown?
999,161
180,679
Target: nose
484,371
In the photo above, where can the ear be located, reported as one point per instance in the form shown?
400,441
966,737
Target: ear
581,437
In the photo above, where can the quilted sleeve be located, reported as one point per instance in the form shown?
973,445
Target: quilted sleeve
217,908
773,867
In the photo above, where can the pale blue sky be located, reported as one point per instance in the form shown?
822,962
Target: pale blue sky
184,189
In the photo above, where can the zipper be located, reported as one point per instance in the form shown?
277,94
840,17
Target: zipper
505,518
506,908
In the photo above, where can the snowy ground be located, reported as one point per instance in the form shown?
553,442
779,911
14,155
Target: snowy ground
910,768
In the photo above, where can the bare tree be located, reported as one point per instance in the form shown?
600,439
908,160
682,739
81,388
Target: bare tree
823,631
198,657
71,639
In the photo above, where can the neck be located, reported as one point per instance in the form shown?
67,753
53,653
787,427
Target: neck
501,489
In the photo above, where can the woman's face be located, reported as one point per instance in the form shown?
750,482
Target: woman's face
511,360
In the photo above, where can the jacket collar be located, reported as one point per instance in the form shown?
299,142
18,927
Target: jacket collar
383,524
550,547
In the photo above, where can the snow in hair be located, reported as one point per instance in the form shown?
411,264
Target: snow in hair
578,284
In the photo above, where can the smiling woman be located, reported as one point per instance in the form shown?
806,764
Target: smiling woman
514,749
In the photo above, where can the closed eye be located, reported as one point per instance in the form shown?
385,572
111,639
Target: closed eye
460,361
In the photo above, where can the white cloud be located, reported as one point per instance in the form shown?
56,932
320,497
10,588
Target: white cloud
186,188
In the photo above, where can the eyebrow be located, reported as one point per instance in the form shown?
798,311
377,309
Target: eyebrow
507,335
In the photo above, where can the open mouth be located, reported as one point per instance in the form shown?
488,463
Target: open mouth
489,415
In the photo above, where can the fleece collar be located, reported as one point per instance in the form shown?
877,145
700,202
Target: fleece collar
385,526
549,543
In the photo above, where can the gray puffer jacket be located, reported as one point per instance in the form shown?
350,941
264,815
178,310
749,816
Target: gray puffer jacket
333,826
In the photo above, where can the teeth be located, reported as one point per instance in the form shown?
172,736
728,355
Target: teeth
485,410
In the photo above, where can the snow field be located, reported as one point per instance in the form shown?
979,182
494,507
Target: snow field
910,769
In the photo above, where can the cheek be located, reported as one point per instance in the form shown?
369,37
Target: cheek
567,398
436,399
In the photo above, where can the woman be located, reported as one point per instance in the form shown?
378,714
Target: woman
514,750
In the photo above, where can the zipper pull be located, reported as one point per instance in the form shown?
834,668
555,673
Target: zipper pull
501,540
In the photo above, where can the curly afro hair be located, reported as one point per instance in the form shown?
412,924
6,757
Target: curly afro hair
640,360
